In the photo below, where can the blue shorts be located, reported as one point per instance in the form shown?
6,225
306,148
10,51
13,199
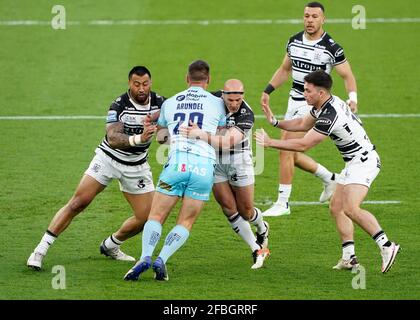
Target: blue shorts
187,174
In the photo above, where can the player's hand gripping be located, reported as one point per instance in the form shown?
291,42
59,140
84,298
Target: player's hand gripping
192,131
148,129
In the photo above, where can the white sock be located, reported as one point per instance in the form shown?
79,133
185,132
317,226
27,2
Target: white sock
284,193
257,221
112,242
323,173
381,239
242,227
348,249
45,243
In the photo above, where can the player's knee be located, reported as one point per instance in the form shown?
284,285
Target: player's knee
351,211
335,207
228,205
246,211
78,203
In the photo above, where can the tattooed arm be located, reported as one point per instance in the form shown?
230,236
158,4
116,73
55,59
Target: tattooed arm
117,139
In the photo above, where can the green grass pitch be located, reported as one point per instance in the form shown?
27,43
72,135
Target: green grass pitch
80,70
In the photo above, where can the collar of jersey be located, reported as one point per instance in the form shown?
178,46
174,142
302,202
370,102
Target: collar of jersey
137,105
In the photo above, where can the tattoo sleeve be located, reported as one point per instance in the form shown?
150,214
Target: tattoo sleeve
117,139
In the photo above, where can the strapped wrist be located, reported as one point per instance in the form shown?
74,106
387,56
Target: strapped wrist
269,89
353,96
134,140
274,122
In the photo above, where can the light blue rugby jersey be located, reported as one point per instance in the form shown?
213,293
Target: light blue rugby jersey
199,106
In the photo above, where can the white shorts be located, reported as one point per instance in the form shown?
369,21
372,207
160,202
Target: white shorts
132,179
239,171
296,109
361,172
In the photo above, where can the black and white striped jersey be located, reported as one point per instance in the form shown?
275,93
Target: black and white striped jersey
124,109
336,120
310,55
243,120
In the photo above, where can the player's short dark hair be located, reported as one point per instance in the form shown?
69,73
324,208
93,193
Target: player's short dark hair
319,78
140,71
315,4
199,70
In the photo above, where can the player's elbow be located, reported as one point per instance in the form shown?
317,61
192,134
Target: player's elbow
303,147
112,141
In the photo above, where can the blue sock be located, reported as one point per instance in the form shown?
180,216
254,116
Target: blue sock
174,240
151,234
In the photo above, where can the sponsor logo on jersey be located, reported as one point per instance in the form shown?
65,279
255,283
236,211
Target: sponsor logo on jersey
195,96
180,98
339,52
324,122
112,116
193,169
200,194
306,66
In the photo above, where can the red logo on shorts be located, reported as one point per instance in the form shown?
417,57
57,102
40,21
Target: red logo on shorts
183,168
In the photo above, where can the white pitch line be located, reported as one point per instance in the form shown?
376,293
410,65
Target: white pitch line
372,115
316,203
51,117
257,116
14,23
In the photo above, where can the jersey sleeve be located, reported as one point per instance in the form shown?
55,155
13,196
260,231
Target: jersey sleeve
326,121
245,121
338,54
288,47
114,111
162,121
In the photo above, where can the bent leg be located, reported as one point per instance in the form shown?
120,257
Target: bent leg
344,225
224,196
141,205
86,191
162,205
305,162
353,196
179,234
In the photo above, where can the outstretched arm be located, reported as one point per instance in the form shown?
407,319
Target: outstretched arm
231,137
298,124
311,139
